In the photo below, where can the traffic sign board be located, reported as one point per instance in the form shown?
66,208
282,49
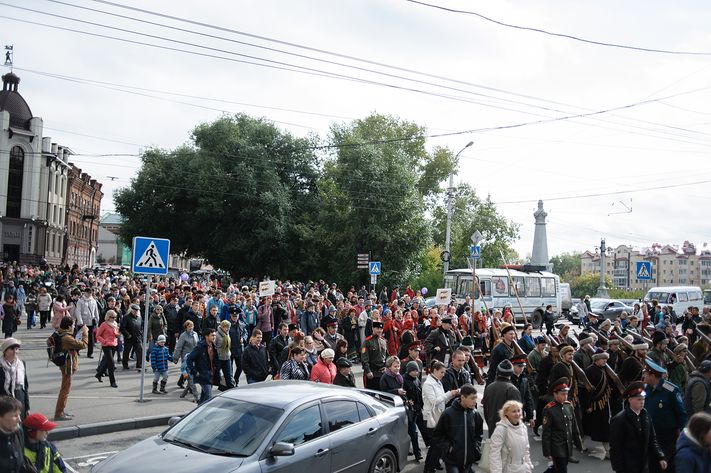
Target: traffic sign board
475,251
644,270
373,279
150,255
374,267
362,262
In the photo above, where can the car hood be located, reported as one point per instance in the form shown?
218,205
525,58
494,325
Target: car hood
153,455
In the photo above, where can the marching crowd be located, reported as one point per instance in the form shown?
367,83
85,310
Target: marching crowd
638,387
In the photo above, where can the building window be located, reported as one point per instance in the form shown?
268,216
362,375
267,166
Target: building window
14,182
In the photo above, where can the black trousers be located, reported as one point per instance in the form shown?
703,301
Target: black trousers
137,347
237,360
107,363
172,340
90,347
44,318
434,453
560,465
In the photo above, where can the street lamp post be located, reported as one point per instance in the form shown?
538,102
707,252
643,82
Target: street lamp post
450,202
602,289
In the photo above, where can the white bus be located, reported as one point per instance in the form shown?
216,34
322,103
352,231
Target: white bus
536,289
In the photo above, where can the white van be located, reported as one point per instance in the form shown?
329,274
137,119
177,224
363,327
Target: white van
679,297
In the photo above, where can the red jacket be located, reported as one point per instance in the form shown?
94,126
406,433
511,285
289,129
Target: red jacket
323,373
107,335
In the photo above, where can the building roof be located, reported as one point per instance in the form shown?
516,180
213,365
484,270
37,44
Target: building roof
12,102
111,219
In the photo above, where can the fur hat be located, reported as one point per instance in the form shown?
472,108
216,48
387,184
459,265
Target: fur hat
600,355
566,349
639,344
657,337
605,324
680,348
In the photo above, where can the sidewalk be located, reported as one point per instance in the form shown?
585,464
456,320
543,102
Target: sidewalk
97,407
92,402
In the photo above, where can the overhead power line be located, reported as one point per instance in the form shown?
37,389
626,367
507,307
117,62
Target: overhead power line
562,35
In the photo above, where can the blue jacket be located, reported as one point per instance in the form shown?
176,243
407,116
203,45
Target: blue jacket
199,365
160,355
308,322
665,406
238,338
690,456
225,312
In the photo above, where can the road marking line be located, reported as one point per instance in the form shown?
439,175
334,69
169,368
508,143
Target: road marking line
69,467
93,455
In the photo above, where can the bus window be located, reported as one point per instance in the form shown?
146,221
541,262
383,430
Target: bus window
500,286
683,297
520,288
548,287
465,288
533,287
485,286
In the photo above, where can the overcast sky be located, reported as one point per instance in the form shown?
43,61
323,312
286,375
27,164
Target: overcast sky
652,157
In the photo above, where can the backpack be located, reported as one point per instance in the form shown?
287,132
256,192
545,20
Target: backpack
54,352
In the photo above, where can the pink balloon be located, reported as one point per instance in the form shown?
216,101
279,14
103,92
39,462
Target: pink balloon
423,291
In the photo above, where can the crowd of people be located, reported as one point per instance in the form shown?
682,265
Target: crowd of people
641,382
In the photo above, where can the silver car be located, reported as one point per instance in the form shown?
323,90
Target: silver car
282,426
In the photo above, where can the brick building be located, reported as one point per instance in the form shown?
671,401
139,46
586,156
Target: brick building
83,206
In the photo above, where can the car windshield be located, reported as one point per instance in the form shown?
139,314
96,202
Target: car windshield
225,427
707,297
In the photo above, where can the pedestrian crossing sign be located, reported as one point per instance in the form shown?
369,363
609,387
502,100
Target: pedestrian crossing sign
644,270
150,255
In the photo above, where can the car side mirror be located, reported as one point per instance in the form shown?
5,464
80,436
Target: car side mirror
174,420
282,449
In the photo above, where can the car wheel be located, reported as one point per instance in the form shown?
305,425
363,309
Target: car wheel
384,462
537,319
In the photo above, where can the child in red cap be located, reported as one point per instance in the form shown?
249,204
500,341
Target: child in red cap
38,450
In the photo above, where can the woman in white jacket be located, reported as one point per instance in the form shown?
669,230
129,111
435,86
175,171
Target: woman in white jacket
509,450
434,401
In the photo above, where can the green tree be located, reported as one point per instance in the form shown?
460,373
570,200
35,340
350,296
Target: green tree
587,284
566,265
374,198
470,214
238,196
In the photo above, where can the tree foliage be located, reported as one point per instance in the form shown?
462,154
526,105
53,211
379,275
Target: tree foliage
255,200
234,197
471,214
566,265
587,284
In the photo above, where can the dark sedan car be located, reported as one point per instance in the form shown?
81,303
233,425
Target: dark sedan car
609,308
282,426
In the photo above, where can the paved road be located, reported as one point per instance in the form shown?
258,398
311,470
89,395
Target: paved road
83,453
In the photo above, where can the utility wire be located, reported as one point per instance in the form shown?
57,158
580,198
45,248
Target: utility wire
364,69
562,35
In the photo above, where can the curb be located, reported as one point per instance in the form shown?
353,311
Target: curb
108,427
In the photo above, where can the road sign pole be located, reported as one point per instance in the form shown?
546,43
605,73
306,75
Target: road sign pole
145,341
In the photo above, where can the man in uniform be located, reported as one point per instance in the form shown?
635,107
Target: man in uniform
633,441
583,357
633,365
439,344
564,369
560,429
521,381
657,354
596,403
615,362
502,351
666,409
676,368
373,355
